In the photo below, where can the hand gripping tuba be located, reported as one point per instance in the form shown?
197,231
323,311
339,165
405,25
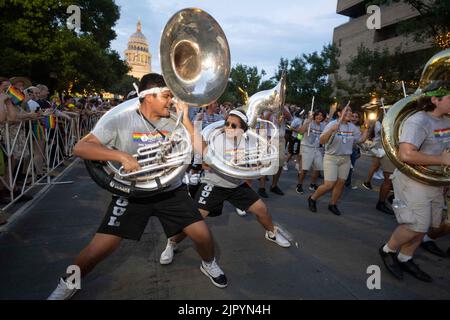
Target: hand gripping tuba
195,63
260,155
437,68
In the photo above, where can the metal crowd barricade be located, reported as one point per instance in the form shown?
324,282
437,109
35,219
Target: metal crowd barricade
34,149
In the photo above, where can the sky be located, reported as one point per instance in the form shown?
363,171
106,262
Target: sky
259,33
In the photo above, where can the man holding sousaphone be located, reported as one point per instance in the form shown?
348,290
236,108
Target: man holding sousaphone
116,139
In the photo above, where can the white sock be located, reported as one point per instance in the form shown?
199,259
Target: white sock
388,250
208,264
403,258
427,238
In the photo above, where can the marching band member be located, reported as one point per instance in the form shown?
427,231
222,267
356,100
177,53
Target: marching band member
339,136
126,218
312,153
216,187
424,139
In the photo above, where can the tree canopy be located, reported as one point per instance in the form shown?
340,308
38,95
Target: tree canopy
37,43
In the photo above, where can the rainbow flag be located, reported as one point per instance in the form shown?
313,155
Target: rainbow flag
16,95
442,133
38,131
50,122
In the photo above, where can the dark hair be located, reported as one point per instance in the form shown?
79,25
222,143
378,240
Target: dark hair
360,116
424,103
151,80
320,112
340,108
244,124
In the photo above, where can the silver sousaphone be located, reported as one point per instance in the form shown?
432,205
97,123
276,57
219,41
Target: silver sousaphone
195,63
261,155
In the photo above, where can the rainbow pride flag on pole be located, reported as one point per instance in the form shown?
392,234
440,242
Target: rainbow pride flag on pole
50,122
38,131
16,95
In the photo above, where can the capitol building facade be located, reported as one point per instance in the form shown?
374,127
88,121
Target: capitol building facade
138,55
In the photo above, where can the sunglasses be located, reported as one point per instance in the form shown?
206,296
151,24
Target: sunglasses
229,124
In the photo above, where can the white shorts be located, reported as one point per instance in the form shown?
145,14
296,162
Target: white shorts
416,205
336,167
311,157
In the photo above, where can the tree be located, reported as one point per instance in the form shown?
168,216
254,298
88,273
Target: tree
308,76
380,73
248,79
37,43
124,86
433,21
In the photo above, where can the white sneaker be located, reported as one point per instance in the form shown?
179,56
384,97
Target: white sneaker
62,292
167,254
277,238
285,167
241,213
215,273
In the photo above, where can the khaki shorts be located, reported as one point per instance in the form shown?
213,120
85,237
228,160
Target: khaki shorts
336,167
387,165
312,156
417,205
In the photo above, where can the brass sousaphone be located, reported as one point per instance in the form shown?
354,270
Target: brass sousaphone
437,68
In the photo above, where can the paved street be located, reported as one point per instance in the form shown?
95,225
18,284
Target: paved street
330,262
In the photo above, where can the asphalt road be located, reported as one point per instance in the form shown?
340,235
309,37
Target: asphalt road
330,262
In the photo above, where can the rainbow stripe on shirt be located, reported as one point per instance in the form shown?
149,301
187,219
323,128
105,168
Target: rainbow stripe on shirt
149,137
316,131
345,134
442,133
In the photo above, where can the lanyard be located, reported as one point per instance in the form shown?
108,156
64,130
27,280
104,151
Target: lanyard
148,121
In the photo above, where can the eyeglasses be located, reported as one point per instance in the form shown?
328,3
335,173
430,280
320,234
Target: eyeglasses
228,124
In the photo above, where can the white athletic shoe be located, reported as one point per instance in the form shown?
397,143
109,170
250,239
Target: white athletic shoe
241,213
62,292
277,238
167,254
214,273
285,167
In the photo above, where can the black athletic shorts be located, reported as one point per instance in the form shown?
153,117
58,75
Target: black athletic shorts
128,217
211,198
294,146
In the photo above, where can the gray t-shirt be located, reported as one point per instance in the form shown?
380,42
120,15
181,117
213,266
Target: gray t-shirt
342,142
228,149
128,131
313,140
296,124
429,134
377,134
